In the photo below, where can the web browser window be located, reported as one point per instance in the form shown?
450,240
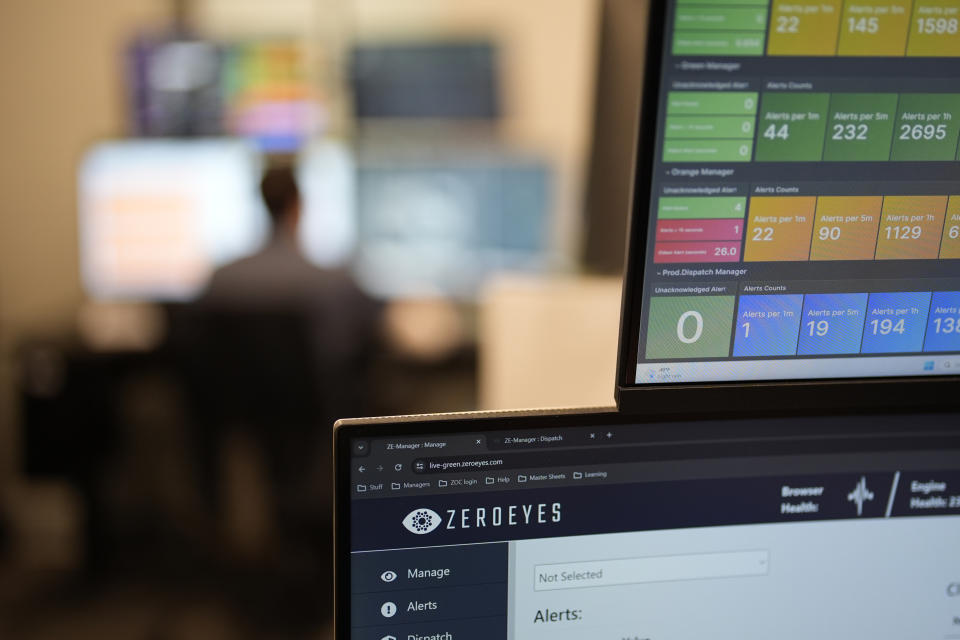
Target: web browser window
627,532
798,201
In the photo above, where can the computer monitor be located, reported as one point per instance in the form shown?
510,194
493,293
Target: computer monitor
327,176
431,80
442,226
569,527
796,211
156,216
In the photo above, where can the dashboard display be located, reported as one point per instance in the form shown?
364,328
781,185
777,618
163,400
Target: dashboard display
799,197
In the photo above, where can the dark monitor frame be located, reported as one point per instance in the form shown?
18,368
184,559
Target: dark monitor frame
845,393
701,439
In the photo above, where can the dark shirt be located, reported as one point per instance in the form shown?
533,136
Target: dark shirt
278,277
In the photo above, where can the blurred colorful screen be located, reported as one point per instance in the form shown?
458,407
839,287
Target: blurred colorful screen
156,217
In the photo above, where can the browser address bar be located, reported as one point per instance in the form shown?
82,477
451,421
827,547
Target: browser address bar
608,573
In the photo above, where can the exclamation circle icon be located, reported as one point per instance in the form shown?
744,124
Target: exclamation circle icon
388,609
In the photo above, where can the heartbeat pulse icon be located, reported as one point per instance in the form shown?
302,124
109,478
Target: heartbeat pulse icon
860,494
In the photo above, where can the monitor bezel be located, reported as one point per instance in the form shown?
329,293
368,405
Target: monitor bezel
452,424
834,393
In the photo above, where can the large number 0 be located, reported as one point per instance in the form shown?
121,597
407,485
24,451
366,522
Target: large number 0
788,24
681,327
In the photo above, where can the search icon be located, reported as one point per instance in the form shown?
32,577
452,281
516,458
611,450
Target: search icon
953,589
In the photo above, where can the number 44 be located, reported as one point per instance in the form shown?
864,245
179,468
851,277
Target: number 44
773,132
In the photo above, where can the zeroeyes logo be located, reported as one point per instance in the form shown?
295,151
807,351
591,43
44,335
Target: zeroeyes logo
421,521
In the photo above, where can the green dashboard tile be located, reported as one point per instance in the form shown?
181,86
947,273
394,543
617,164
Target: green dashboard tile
711,103
718,43
860,126
927,127
684,150
791,126
689,327
681,208
708,18
709,127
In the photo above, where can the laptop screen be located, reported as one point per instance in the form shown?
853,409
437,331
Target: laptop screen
797,211
592,527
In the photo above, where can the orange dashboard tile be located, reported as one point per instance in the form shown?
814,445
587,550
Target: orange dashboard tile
950,246
779,228
804,27
935,29
874,27
910,227
846,228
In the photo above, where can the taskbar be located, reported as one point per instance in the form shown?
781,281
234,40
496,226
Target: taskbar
796,369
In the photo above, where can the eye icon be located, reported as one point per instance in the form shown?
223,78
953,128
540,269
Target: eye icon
421,521
388,576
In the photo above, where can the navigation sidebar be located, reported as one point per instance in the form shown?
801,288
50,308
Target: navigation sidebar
441,593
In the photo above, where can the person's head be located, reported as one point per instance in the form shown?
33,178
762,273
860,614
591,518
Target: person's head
282,197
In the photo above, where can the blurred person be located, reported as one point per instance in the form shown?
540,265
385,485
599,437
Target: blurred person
302,334
341,317
278,349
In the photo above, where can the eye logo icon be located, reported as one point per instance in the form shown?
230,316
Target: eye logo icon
388,576
421,521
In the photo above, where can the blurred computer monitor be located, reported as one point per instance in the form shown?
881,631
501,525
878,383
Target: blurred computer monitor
156,217
327,175
442,227
448,80
183,85
268,94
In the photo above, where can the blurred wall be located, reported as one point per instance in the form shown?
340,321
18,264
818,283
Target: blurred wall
62,89
620,71
547,343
